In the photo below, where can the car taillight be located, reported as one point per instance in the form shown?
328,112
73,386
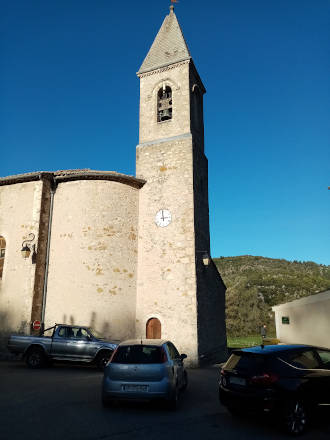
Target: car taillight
163,356
264,379
223,379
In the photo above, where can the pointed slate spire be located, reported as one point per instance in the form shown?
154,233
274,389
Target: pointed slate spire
169,46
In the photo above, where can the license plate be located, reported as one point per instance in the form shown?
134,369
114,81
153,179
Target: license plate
135,388
237,380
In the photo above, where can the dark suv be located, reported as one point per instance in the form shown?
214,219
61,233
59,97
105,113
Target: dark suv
288,379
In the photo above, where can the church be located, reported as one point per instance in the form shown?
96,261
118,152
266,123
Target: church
128,256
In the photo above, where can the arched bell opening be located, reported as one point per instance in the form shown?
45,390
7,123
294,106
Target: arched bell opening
164,104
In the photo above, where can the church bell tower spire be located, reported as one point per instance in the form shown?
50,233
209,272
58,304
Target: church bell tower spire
172,283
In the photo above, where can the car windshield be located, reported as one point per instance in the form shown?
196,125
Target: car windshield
138,354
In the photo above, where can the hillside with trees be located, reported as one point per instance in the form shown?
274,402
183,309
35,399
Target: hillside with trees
255,284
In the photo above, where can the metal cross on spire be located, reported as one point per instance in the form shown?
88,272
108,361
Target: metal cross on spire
172,6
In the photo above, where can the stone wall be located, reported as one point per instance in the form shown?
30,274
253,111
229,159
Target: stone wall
212,339
166,267
93,257
19,216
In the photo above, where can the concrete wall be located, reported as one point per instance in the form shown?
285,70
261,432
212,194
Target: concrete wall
19,216
309,320
93,257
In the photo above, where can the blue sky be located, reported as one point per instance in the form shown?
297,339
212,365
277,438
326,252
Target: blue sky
69,98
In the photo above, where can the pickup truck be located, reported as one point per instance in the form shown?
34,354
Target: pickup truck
64,343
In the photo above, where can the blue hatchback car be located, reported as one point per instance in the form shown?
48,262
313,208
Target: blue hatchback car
145,369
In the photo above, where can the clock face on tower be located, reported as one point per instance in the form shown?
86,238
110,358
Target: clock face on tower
163,218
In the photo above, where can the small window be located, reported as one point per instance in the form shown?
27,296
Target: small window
164,104
2,254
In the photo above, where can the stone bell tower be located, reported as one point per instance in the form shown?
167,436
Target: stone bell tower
180,294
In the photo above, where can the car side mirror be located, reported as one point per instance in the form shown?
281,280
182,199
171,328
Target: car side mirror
183,356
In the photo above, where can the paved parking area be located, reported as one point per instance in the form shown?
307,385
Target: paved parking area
63,402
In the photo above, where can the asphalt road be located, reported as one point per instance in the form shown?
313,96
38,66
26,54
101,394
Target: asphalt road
63,402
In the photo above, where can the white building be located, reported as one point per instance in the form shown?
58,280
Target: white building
305,320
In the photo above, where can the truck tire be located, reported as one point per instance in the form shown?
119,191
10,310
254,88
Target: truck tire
102,359
35,358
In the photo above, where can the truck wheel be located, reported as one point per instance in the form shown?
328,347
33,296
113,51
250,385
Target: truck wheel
102,359
35,358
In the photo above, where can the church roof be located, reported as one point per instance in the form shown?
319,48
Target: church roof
69,175
169,46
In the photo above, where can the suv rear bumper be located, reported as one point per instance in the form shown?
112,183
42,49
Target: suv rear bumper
262,401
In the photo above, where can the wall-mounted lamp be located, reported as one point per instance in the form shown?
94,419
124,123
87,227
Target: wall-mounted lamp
27,247
205,257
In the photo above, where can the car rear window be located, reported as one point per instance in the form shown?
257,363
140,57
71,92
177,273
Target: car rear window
246,362
137,354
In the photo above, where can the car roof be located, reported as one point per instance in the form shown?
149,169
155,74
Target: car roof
269,349
153,342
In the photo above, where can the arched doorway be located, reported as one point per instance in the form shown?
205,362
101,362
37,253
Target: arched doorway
153,329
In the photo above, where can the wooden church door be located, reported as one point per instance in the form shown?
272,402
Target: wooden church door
153,329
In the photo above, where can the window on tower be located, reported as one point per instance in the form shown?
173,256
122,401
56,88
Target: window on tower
164,104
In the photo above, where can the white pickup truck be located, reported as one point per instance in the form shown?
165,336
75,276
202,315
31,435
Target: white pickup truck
65,343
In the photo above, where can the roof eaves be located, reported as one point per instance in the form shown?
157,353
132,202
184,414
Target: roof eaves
162,66
70,175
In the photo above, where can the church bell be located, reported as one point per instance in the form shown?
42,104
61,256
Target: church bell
166,114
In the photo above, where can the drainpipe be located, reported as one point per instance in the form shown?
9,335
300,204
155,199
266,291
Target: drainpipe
44,294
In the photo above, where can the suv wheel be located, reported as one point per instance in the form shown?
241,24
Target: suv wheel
296,417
